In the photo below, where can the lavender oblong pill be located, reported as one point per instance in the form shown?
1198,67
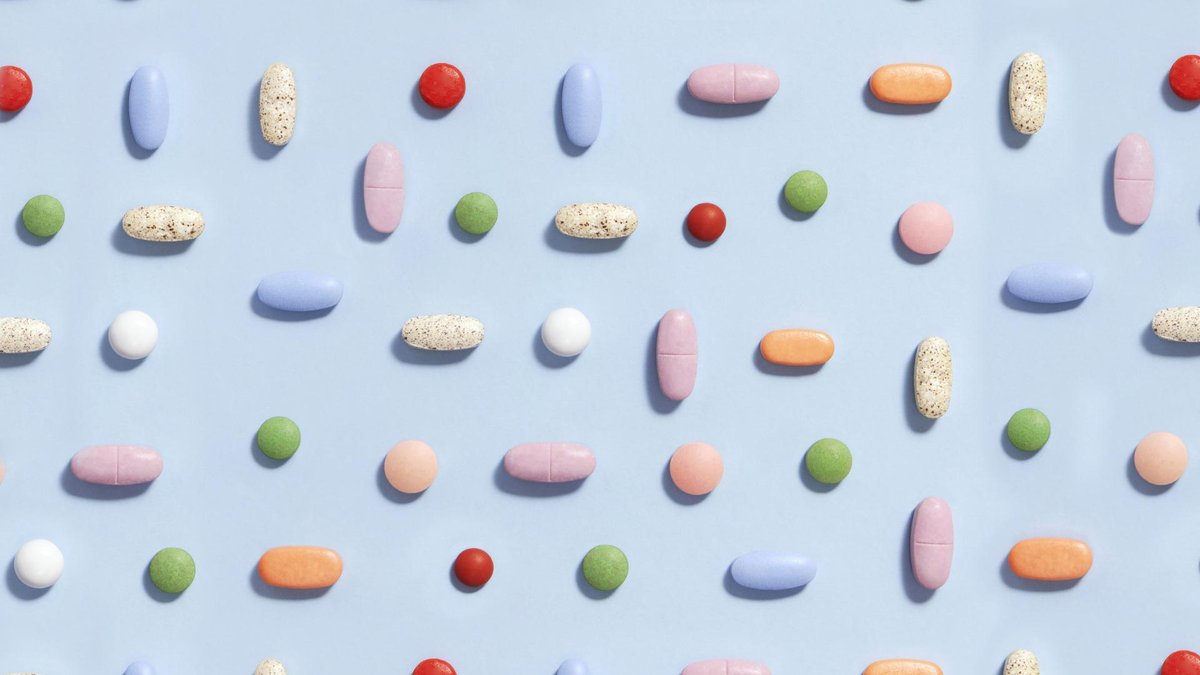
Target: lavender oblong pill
726,667
1049,283
733,83
581,105
299,291
931,542
676,354
117,464
550,462
149,107
1133,179
772,571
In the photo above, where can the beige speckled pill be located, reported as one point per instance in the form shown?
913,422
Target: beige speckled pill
163,223
270,667
1022,662
596,220
1027,93
19,335
1177,324
443,332
277,104
933,377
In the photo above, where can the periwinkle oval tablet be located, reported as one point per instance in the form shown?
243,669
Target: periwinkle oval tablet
581,105
1050,283
149,107
299,291
772,571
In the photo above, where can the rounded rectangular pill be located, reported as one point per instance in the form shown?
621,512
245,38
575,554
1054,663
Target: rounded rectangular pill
933,377
383,187
903,667
676,354
1027,93
117,464
931,542
299,291
1050,559
796,347
733,83
581,105
726,667
277,104
1177,324
22,335
300,567
163,223
550,462
596,220
149,107
772,571
1133,179
1049,283
443,332
910,83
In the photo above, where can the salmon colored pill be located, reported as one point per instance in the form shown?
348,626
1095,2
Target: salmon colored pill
696,468
15,88
903,667
910,84
796,347
434,667
474,567
1050,559
926,228
1184,79
410,466
300,567
706,222
442,86
1181,662
1160,458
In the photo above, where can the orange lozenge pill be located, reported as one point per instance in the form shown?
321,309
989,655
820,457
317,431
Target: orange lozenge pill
300,567
796,347
903,667
910,83
1050,559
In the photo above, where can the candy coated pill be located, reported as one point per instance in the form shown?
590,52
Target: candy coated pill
15,88
1049,283
300,567
828,461
581,105
278,438
117,464
1181,662
1027,93
299,291
1184,79
903,667
931,542
1028,429
133,335
1050,559
38,563
550,462
442,86
149,107
270,667
772,571
163,223
726,667
434,667
442,332
933,377
926,228
596,220
572,667
1177,324
22,335
910,84
410,466
1133,179
696,468
172,570
796,347
1021,662
383,187
566,332
805,191
605,567
474,567
676,354
476,213
706,222
1160,458
43,216
140,668
733,83
277,104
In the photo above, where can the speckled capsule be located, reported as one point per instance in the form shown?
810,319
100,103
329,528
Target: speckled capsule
270,667
163,223
1177,324
20,335
443,332
1022,662
1027,93
596,220
277,104
933,377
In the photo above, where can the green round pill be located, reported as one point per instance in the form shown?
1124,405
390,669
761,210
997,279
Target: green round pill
1028,429
806,191
279,438
605,567
476,213
828,461
172,570
43,216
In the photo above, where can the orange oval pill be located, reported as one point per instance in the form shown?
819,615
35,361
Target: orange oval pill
903,667
796,347
300,567
910,83
1050,559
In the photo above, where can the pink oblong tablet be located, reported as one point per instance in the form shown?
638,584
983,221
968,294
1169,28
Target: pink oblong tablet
726,667
931,542
550,462
383,187
676,354
116,464
1133,179
733,83
926,228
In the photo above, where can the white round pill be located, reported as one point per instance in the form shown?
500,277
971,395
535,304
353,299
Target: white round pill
566,332
133,334
38,563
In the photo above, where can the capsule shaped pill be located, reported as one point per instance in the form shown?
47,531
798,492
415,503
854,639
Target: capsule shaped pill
910,84
300,567
581,105
22,335
1050,559
117,464
1049,283
733,83
550,462
277,104
931,542
383,187
1133,179
726,667
149,107
596,220
1177,324
1023,662
299,291
163,223
903,667
796,347
676,354
933,377
443,332
772,571
1027,93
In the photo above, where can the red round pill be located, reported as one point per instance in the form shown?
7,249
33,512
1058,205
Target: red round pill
706,222
474,567
1182,662
15,88
1185,77
442,86
434,667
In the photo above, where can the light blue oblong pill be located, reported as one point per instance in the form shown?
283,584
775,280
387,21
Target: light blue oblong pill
140,668
149,107
299,291
772,571
581,105
1049,283
572,667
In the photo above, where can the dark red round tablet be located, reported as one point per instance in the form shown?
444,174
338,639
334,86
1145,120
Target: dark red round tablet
15,88
442,86
474,567
1182,663
1185,77
434,667
706,222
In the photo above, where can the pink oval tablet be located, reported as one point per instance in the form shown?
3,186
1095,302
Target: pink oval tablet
726,667
1133,179
676,354
733,83
116,465
1160,458
696,468
931,542
383,187
926,228
550,462
410,466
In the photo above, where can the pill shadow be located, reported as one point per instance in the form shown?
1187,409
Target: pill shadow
267,312
19,590
907,254
259,145
812,483
392,494
916,421
153,591
1012,450
528,488
658,400
678,496
6,116
546,357
132,246
560,129
765,366
1140,484
261,458
18,360
1020,584
786,209
694,106
462,588
461,234
568,244
1008,133
266,590
28,237
136,151
424,109
1160,347
893,108
1172,100
427,357
77,488
1111,217
114,360
586,588
739,591
1013,302
687,235
915,591
362,226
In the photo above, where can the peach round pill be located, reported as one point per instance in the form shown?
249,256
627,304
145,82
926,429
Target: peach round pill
926,228
696,468
1160,458
410,466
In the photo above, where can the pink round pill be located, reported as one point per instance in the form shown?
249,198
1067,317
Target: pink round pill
410,466
1160,458
696,468
926,228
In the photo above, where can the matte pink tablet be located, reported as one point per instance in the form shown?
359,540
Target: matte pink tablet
931,542
733,83
550,462
383,187
676,353
116,464
1133,179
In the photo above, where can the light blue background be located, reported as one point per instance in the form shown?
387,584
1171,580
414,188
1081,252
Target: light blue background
221,367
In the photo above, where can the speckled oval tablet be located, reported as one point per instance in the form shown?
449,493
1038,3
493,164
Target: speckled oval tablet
1160,458
21,335
1177,324
596,220
1027,93
1021,662
163,223
443,332
277,104
270,667
933,377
